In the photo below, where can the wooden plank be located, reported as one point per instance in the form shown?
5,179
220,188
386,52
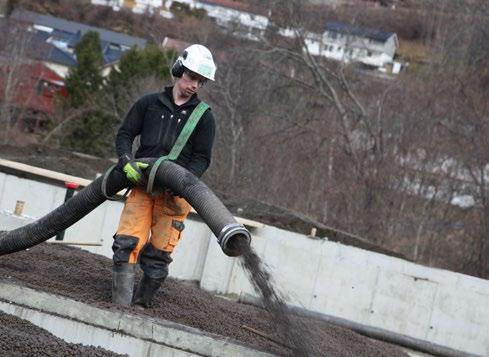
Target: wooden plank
37,171
249,223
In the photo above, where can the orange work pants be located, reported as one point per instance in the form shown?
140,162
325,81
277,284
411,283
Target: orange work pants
155,219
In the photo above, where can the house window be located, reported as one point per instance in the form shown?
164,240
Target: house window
114,47
369,53
40,87
334,35
45,88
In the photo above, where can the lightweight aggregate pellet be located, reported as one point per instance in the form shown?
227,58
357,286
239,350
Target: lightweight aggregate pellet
86,277
21,338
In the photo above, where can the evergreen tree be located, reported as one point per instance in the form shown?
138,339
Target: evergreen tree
135,66
86,78
91,131
138,64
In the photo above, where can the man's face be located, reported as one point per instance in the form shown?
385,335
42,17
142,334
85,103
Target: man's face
189,83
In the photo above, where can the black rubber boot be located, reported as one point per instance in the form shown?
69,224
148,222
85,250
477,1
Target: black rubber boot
122,283
146,289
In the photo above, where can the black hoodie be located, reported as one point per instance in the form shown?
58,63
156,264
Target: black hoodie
159,121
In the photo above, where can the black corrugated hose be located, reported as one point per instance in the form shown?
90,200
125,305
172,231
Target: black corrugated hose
230,235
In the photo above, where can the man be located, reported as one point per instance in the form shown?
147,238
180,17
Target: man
151,226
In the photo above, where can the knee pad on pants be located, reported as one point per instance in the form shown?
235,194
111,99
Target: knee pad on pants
122,247
154,262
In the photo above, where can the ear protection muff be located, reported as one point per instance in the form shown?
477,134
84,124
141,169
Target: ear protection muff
178,68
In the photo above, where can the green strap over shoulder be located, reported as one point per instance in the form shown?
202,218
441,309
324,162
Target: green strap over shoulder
179,143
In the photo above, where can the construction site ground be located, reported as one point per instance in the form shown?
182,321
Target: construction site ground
86,277
21,338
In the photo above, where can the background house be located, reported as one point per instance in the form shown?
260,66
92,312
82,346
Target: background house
56,39
347,43
31,96
352,43
36,54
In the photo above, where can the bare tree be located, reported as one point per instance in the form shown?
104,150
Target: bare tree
110,103
343,146
15,40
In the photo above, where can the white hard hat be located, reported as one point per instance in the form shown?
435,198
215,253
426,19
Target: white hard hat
198,59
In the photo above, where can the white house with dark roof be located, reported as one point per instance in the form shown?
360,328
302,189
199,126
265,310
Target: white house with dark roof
59,38
347,43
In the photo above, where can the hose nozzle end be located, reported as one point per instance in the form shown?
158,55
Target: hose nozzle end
234,239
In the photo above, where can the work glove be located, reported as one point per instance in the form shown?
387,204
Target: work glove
133,169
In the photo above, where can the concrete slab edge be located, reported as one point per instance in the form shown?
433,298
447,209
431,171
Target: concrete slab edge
157,331
73,331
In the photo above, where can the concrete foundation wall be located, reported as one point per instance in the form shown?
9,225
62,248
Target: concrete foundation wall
137,336
371,289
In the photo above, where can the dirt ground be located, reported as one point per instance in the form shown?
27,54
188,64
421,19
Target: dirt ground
21,338
86,277
63,161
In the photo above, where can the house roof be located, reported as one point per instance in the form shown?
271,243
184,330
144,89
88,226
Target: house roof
110,55
35,46
40,49
54,39
75,28
72,27
373,34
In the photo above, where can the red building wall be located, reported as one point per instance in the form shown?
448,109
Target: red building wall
29,91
